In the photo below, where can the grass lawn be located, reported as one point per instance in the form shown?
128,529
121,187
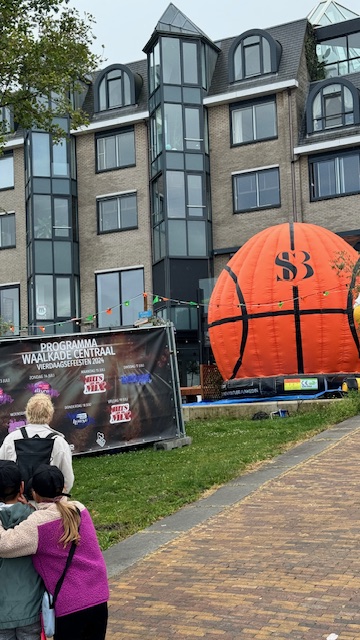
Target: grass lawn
127,491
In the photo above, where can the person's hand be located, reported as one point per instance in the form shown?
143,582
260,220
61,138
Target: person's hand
22,499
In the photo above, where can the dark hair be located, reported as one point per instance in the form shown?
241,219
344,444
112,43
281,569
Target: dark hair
48,481
10,480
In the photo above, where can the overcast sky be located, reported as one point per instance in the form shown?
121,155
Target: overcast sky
125,26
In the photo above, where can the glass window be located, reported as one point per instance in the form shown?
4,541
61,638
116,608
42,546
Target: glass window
341,55
332,106
60,165
171,60
7,230
175,193
256,190
114,90
40,154
155,68
62,257
42,217
156,133
116,150
44,297
252,57
158,200
118,214
132,288
174,137
335,175
177,238
10,308
159,245
195,195
6,171
63,297
43,256
196,238
253,122
192,128
190,64
122,292
61,218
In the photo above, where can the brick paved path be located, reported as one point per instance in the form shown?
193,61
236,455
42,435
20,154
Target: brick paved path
282,563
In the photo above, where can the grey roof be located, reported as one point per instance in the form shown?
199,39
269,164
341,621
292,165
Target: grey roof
174,21
291,38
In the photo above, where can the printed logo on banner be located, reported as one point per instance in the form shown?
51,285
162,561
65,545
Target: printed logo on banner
80,420
4,397
135,378
301,384
100,439
120,413
94,383
41,386
15,424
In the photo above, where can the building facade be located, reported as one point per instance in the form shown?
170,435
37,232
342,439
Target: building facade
189,152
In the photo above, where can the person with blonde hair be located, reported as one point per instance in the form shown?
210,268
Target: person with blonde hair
81,610
37,443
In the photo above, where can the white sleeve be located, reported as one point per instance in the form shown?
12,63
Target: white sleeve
7,449
20,541
62,458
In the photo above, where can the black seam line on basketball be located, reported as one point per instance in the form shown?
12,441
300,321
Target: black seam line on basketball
284,312
298,336
350,311
245,332
292,236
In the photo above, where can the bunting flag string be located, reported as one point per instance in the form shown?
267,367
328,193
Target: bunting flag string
156,298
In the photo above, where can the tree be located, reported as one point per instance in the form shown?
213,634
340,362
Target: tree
45,56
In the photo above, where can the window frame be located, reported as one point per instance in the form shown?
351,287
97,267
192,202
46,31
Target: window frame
319,88
240,41
121,298
256,172
16,331
246,104
8,214
114,134
103,77
118,197
6,156
336,157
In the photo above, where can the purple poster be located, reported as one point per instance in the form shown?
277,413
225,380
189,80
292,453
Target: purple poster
109,389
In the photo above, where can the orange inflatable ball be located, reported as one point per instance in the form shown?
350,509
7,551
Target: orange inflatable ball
284,305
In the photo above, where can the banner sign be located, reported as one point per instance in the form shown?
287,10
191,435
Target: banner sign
109,389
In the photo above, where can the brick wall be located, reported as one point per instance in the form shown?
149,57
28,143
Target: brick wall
13,261
114,250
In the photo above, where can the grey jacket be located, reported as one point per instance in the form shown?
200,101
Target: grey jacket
21,587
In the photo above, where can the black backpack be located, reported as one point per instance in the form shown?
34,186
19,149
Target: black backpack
30,453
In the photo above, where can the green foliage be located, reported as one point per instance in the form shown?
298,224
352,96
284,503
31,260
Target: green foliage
4,327
316,68
44,53
128,491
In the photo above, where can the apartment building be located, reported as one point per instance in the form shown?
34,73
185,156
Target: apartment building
189,152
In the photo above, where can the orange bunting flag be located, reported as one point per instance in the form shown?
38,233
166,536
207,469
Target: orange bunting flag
109,311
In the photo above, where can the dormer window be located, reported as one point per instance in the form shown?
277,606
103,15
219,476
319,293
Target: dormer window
332,104
255,53
115,88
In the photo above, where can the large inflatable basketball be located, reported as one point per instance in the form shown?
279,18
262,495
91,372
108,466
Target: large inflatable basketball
283,306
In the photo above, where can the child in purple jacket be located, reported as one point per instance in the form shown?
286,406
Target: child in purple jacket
81,606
